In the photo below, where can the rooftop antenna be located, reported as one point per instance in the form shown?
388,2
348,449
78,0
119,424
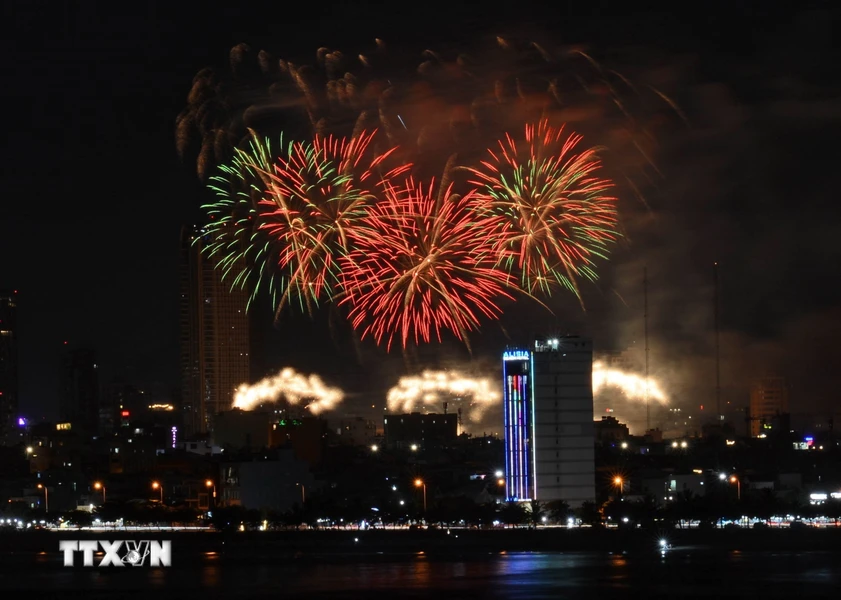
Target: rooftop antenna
645,315
719,416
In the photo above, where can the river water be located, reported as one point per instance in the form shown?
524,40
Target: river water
683,572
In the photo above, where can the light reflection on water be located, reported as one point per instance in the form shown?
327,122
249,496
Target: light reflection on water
692,573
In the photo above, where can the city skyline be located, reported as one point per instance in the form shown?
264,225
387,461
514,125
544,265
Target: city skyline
365,299
119,292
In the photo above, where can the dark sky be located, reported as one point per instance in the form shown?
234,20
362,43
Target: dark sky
95,195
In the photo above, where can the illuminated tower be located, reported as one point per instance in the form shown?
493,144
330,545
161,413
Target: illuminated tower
548,420
518,409
8,367
214,337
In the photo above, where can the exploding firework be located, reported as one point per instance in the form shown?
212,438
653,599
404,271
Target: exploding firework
282,213
556,215
632,386
304,221
291,386
432,388
420,265
233,239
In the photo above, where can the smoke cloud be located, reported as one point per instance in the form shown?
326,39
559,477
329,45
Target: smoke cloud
292,387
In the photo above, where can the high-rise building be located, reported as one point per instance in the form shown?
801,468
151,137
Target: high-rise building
518,424
548,421
768,400
8,366
80,401
214,337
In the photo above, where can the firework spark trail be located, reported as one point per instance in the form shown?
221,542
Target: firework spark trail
556,215
281,213
317,193
233,240
421,264
631,385
435,387
291,386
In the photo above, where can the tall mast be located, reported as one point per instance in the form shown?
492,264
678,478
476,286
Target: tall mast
719,416
645,315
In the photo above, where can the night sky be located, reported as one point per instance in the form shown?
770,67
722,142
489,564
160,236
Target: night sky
95,194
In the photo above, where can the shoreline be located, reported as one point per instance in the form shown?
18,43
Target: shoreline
270,545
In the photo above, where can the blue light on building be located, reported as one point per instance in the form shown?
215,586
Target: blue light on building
519,425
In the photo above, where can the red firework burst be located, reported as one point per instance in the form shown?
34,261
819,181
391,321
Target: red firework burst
420,265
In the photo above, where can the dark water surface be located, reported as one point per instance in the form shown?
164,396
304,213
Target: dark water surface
684,572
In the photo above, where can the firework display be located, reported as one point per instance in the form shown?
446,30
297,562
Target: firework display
282,212
317,193
556,214
234,239
342,209
326,221
421,264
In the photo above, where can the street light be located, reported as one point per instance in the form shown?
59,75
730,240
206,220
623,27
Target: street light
46,497
209,484
414,447
303,493
98,486
618,482
158,486
734,479
421,483
374,448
